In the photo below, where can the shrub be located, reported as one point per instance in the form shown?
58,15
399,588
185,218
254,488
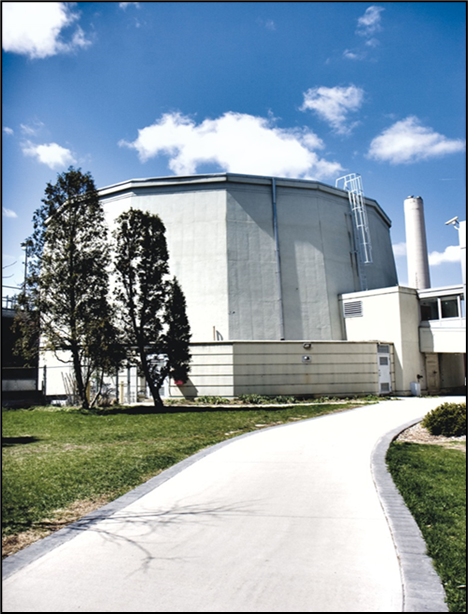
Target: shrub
210,400
253,399
284,399
449,419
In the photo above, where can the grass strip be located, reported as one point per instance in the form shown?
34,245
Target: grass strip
432,481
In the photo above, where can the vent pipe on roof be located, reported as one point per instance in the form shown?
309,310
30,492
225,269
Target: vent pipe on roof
416,244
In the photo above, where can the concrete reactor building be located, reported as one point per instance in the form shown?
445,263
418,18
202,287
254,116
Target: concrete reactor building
259,259
291,288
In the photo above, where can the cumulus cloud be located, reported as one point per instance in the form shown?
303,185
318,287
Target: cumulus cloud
409,141
35,29
8,212
236,142
450,254
51,154
333,104
370,22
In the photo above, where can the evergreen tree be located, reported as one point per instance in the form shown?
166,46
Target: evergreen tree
67,282
151,305
177,337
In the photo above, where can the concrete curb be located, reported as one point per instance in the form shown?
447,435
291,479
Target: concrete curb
422,587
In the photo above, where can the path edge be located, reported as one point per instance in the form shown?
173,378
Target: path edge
422,587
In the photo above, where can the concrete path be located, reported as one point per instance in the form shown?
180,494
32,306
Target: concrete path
287,519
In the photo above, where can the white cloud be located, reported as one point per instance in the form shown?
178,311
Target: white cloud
236,142
367,26
399,249
8,212
369,23
35,29
450,254
7,130
333,104
123,5
408,141
32,130
51,154
352,55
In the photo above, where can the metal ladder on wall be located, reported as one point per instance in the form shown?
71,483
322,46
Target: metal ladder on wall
353,185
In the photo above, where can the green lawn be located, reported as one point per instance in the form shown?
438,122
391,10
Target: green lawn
432,481
53,457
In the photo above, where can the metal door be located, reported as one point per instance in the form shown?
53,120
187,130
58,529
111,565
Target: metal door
384,367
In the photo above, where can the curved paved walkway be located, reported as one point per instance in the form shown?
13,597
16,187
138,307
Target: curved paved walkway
287,519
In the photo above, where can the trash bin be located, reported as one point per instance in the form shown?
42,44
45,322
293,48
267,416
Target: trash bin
415,389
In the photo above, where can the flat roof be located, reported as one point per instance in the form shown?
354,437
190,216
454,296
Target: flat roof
427,293
441,291
217,178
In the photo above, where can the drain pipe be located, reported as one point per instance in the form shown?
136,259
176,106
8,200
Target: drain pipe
278,259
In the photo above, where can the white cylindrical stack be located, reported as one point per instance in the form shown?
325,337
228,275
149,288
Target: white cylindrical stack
416,244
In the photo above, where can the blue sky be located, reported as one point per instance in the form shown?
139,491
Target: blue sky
309,89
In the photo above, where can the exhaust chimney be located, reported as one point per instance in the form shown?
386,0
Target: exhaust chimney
416,244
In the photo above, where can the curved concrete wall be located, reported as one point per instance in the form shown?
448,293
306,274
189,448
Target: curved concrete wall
222,249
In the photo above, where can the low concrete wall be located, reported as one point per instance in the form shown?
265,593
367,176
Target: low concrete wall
211,372
319,368
232,368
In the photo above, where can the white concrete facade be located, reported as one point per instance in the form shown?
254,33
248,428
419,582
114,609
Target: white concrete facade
429,352
221,243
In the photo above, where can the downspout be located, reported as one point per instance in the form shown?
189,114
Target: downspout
278,259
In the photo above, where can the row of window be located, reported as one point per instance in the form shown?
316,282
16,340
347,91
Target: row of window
436,308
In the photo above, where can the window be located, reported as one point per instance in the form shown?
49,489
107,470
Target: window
437,308
429,309
449,307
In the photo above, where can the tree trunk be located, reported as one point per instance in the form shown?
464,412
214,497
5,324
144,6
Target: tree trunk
158,402
154,389
79,379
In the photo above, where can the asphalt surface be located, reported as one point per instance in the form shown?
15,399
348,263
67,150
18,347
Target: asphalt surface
296,518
